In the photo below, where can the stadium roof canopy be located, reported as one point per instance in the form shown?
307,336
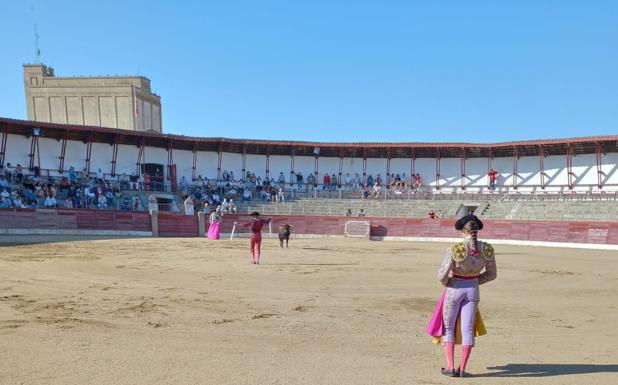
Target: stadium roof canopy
581,145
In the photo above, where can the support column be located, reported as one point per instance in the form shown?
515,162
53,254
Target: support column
463,168
437,168
570,166
244,161
292,155
268,163
141,156
194,168
364,164
412,164
5,136
34,155
542,166
388,164
598,151
63,150
490,159
515,158
340,166
219,160
115,154
170,158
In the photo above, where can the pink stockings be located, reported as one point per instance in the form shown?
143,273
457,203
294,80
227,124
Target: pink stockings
449,353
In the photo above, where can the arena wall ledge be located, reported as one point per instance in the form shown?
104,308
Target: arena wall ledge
574,234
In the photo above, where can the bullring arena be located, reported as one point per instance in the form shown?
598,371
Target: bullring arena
135,294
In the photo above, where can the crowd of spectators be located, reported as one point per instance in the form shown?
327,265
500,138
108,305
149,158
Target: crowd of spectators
83,190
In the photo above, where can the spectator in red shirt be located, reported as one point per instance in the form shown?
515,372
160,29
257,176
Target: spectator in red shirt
431,215
492,179
418,182
326,182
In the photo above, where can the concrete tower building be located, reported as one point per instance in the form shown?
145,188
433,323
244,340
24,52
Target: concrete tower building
124,102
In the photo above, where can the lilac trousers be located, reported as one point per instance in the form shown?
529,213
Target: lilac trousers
461,300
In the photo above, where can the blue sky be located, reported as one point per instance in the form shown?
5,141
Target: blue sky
406,71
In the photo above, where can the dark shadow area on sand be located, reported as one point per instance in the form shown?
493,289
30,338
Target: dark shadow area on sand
546,370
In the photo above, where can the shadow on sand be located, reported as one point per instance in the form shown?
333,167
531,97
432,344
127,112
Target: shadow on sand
546,370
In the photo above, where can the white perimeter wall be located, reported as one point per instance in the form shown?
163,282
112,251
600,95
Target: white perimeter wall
529,176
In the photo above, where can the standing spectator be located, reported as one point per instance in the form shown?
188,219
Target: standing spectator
299,180
281,180
492,179
333,182
348,181
146,181
326,182
370,180
310,181
356,182
418,182
100,176
378,180
19,173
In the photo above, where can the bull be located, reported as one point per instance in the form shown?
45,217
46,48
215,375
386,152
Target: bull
284,234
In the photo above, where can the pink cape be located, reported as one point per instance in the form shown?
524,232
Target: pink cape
434,328
213,230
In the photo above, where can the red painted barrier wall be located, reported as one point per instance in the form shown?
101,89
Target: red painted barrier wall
74,219
175,225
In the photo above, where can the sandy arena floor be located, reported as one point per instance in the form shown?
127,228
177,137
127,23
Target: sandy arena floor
191,311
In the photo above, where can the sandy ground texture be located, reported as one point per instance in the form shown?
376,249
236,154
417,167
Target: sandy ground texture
193,311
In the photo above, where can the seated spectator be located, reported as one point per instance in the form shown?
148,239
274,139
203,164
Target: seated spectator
225,206
3,182
376,190
8,173
124,181
5,203
5,193
348,213
68,203
135,204
362,213
232,206
431,215
206,208
246,195
102,202
183,183
439,214
125,204
366,192
280,195
50,201
348,181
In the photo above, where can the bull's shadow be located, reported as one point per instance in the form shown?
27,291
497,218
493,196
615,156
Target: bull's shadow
546,370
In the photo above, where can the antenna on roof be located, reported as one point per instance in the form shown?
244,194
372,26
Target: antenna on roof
37,50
